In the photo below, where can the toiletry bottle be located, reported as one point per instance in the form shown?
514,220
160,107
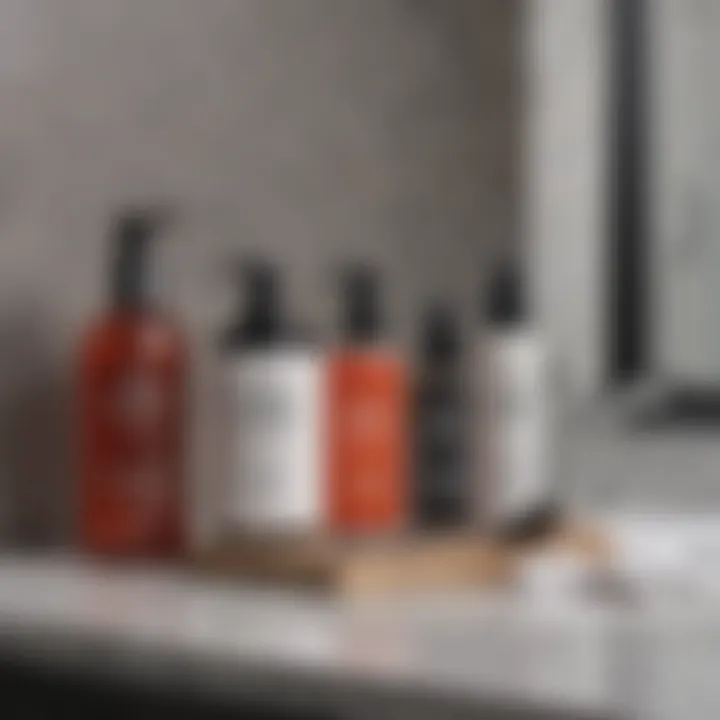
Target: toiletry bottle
443,485
273,422
515,483
132,383
368,429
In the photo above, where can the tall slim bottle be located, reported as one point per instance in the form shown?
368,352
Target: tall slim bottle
368,423
132,384
273,416
516,485
443,484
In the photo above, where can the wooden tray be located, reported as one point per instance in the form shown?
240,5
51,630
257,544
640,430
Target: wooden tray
340,566
408,563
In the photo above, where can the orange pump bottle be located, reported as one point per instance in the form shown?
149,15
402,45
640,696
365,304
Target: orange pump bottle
131,408
368,429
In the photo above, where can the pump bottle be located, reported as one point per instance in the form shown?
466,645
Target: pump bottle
131,386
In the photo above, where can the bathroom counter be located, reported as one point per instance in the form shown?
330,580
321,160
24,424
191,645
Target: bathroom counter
298,652
456,656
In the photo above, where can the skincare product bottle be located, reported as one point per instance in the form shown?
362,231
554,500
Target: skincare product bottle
515,481
368,417
443,484
131,405
273,415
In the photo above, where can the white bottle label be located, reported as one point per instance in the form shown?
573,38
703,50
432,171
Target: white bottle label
517,426
274,475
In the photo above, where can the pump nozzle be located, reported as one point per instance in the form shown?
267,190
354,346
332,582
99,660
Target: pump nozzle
441,336
362,320
259,299
133,231
506,303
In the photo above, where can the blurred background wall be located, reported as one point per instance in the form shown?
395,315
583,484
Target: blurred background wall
684,254
565,179
310,129
567,182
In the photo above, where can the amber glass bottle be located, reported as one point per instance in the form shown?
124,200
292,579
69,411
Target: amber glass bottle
132,370
368,418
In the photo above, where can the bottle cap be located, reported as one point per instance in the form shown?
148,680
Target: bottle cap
132,276
260,298
441,337
506,303
361,315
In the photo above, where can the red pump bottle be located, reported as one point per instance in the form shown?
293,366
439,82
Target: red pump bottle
368,399
132,379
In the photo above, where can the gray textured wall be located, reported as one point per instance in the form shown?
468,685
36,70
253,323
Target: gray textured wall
685,252
312,129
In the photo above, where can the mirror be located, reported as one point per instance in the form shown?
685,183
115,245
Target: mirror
666,276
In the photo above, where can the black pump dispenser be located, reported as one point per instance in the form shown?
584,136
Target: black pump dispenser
507,302
440,343
133,285
361,314
443,484
259,319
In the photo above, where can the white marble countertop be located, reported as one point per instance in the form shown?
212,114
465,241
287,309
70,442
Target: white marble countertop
654,658
465,651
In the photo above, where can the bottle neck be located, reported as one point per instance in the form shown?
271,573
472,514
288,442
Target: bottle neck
362,336
134,296
441,364
133,279
135,307
361,320
262,326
